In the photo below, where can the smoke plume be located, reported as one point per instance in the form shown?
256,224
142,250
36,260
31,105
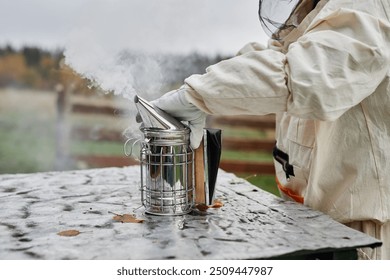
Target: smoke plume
119,45
127,47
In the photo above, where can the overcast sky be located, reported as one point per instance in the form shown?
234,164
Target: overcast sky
165,25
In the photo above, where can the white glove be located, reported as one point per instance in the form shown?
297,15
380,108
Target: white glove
176,104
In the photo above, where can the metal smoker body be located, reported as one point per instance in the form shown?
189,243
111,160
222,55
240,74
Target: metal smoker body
167,163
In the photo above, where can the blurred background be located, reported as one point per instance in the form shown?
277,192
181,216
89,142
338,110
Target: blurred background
69,71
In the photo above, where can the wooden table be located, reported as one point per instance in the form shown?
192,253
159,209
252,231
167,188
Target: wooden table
252,224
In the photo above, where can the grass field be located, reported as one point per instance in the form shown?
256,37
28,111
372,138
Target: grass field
27,127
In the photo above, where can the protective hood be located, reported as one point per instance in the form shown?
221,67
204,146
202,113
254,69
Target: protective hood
279,17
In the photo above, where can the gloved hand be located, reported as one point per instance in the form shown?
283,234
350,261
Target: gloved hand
176,104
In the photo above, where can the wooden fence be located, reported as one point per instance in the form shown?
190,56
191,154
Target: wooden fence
70,131
86,133
263,144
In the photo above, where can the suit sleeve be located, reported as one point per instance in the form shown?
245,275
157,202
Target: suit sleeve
338,62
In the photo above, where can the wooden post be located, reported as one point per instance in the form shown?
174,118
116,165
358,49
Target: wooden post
200,195
61,160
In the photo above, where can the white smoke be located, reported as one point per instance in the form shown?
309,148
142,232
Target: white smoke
111,68
118,45
109,32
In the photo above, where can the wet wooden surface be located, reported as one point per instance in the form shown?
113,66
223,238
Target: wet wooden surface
252,224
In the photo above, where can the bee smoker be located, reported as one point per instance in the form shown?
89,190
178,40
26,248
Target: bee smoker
169,185
167,162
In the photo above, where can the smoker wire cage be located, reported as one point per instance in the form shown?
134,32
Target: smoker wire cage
167,172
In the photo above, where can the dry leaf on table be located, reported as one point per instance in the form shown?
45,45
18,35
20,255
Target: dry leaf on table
217,204
126,218
203,207
71,232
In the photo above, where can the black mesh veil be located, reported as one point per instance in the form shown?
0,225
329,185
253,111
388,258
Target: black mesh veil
279,17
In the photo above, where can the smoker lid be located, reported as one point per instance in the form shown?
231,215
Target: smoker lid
153,117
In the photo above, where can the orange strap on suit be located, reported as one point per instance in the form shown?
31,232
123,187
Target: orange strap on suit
290,193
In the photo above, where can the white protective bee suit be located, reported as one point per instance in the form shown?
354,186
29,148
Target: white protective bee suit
328,81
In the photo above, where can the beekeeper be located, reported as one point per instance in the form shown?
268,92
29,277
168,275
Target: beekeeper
325,73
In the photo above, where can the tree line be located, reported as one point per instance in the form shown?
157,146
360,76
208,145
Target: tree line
37,68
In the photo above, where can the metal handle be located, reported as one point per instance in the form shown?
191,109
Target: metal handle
130,153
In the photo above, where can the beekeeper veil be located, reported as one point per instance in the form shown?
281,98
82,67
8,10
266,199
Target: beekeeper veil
280,17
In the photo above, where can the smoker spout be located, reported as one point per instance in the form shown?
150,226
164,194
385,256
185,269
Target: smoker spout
155,117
